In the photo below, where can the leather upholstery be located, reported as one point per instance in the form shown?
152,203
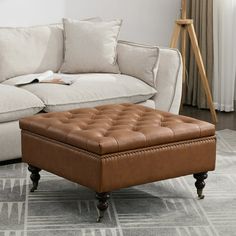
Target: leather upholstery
117,146
116,128
105,173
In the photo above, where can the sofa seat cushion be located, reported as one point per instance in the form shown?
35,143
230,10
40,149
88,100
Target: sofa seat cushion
89,90
17,103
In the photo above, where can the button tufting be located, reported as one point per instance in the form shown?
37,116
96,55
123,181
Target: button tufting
114,128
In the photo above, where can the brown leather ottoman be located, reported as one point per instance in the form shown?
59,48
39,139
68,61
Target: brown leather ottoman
117,146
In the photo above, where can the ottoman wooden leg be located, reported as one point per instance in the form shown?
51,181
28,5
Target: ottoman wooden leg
35,176
102,204
200,183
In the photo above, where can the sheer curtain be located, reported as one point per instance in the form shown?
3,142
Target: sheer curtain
224,54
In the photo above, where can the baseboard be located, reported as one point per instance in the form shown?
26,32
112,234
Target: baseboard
8,162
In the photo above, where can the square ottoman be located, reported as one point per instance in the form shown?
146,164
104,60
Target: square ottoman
117,146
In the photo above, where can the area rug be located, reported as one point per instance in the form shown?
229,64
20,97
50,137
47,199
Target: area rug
170,207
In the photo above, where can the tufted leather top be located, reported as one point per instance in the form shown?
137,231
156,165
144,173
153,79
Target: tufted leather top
115,128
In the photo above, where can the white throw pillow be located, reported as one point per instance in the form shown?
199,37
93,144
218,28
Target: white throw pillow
138,60
17,103
30,50
90,46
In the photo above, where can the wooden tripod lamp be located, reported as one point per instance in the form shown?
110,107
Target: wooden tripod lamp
185,26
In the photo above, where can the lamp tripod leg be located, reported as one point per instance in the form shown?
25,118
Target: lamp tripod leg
175,36
198,56
183,53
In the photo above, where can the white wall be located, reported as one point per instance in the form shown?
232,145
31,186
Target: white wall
145,21
30,12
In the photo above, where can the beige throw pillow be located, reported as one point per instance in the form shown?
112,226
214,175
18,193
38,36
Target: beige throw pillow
30,50
90,46
138,60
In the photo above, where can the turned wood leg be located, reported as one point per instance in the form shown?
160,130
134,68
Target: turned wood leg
102,204
35,176
200,183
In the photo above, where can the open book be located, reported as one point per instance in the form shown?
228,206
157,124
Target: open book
46,77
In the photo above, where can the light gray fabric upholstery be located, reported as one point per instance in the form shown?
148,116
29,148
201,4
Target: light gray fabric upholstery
10,141
169,81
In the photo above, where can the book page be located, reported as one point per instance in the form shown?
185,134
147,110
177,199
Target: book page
46,77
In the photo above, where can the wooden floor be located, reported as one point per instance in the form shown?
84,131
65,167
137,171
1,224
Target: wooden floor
226,120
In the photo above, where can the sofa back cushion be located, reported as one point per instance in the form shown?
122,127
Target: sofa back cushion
138,60
90,46
30,50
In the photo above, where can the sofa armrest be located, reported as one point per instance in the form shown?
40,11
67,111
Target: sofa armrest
169,81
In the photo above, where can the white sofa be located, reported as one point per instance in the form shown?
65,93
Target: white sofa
89,90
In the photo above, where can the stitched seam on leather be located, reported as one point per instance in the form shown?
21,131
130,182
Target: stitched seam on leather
128,152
